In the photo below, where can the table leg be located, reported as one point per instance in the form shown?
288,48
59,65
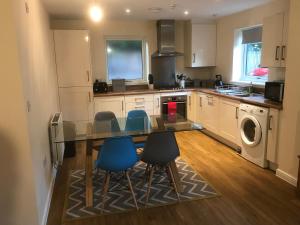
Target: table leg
89,174
176,176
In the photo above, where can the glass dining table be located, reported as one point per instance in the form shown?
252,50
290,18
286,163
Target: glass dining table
93,132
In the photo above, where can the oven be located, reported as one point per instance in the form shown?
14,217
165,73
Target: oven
174,108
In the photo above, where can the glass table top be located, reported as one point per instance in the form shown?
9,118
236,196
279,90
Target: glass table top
97,130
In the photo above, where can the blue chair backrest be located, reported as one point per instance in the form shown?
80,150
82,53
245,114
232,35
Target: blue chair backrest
106,122
117,154
137,120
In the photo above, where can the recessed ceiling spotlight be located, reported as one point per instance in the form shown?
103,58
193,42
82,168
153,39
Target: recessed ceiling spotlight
155,9
95,13
186,12
127,11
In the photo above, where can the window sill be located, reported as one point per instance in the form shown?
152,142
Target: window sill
254,83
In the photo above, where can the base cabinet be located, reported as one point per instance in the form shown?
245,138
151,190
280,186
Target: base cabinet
112,104
211,113
273,123
76,103
228,120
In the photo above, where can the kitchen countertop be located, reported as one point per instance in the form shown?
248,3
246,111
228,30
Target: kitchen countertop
255,99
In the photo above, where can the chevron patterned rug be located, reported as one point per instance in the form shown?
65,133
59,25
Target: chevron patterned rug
119,198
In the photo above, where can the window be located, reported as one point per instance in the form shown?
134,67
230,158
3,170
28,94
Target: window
247,56
126,60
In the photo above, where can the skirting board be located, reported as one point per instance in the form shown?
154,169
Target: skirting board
49,197
286,177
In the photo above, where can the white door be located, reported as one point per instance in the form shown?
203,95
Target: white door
272,39
113,104
191,106
203,45
76,103
229,110
273,123
72,49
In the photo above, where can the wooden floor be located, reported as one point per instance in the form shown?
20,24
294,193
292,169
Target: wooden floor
250,195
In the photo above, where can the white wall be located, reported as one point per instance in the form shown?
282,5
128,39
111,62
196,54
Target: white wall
129,28
18,203
225,34
36,49
289,135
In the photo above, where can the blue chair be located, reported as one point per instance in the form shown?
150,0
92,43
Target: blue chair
137,120
118,154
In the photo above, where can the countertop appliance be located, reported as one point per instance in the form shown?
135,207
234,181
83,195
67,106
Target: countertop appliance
174,108
253,126
219,81
274,90
100,87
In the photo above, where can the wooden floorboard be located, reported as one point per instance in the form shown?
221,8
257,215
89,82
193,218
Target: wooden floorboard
250,195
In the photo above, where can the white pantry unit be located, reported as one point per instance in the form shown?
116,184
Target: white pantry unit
200,45
72,54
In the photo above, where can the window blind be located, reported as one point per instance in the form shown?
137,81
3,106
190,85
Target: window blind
252,35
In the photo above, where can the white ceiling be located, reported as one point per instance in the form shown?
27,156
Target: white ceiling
115,9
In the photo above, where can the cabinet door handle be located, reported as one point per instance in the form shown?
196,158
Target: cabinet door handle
90,98
157,102
194,57
270,120
190,101
88,75
277,53
236,112
283,49
200,101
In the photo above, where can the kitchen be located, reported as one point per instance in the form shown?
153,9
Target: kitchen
227,70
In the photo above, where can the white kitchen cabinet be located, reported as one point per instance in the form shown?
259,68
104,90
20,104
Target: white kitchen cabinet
115,104
76,103
274,38
228,120
72,51
211,113
139,102
156,105
200,45
273,123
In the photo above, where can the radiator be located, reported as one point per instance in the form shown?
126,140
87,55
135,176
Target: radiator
57,149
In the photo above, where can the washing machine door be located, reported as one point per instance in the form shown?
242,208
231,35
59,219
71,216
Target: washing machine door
250,131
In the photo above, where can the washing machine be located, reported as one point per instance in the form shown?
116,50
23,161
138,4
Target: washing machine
253,129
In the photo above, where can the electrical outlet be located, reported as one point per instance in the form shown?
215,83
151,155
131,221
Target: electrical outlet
45,162
28,104
26,7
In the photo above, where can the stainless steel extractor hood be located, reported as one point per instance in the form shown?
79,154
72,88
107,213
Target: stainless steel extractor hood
166,39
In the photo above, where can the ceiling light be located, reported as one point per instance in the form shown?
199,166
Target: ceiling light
96,13
87,38
128,11
186,12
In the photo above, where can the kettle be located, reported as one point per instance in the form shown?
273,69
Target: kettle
218,81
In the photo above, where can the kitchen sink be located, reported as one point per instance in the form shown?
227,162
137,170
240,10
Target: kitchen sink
233,91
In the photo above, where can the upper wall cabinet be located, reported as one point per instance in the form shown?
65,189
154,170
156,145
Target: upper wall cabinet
200,45
72,51
274,40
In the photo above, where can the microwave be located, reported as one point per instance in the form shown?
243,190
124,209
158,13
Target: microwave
274,90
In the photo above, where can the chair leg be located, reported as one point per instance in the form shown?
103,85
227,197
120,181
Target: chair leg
173,181
131,189
149,184
105,189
